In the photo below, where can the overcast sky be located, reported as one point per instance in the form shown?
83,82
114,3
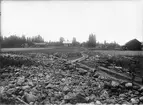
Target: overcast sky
118,21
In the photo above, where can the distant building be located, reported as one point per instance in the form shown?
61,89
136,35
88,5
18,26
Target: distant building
67,43
133,45
25,45
40,44
99,46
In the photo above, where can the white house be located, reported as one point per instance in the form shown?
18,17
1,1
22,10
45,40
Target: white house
40,44
67,43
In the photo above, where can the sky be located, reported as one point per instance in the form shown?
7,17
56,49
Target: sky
109,20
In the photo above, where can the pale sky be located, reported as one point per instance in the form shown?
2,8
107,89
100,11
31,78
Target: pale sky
118,21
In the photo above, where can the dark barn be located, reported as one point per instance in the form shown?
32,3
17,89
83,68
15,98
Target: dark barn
133,45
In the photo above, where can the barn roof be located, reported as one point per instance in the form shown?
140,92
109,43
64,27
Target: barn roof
133,41
133,45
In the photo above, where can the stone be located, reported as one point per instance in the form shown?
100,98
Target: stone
98,103
96,75
141,89
31,103
40,75
69,104
127,103
17,74
21,93
122,95
65,89
128,85
30,83
114,83
110,101
92,103
25,87
141,98
136,93
134,101
20,80
34,91
30,97
66,97
1,90
11,85
11,91
136,87
49,86
47,77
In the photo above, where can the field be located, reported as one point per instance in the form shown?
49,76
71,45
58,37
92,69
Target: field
23,49
116,52
44,50
67,75
73,49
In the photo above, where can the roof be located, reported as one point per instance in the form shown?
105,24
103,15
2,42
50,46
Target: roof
67,42
133,45
40,43
133,41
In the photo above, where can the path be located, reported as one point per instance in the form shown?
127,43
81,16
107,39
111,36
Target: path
104,71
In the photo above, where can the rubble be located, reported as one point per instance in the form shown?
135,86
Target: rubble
129,85
54,80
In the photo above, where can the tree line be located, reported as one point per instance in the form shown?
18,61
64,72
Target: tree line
14,41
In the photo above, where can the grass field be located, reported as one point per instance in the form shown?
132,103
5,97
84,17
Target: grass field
44,50
23,49
115,52
72,49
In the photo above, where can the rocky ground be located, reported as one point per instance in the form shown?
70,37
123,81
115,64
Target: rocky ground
43,79
120,64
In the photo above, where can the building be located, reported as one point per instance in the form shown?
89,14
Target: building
67,43
25,45
40,44
133,45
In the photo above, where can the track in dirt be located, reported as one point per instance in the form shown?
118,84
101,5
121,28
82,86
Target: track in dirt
106,72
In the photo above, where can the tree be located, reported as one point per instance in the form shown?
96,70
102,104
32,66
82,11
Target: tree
37,39
16,41
62,39
74,42
92,40
1,39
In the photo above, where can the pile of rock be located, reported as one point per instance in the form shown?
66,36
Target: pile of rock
63,82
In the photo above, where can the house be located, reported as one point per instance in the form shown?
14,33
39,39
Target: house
133,45
25,45
67,43
40,44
